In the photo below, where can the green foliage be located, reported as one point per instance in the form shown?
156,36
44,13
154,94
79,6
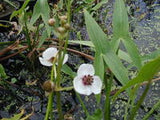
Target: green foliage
99,5
132,51
11,3
96,116
42,9
90,5
2,73
86,43
121,32
103,49
107,53
42,38
13,80
120,20
67,70
15,117
151,55
19,116
146,73
21,10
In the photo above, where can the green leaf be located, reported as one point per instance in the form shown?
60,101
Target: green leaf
124,56
15,13
115,41
133,51
121,54
146,73
99,70
11,3
102,46
66,69
2,73
43,38
96,116
99,65
116,67
87,43
156,106
120,19
99,5
20,116
16,116
42,9
96,35
121,32
151,55
13,80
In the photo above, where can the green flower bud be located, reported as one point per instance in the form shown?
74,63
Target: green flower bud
64,17
67,26
61,30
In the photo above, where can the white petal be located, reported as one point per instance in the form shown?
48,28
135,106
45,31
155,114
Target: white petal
96,85
45,62
65,58
85,69
80,87
49,53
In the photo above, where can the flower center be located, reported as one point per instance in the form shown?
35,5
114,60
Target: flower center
51,59
87,80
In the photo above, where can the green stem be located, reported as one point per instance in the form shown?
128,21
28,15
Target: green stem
50,97
58,79
126,109
135,109
59,107
65,88
49,106
11,3
5,21
69,13
83,106
108,84
152,110
60,61
130,101
26,31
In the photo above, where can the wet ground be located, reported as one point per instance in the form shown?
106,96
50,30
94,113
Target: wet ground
145,29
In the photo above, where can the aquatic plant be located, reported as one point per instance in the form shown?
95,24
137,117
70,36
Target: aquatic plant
107,61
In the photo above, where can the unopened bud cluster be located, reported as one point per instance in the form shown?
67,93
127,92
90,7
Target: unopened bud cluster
64,25
63,28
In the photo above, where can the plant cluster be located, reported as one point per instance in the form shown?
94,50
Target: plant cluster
48,28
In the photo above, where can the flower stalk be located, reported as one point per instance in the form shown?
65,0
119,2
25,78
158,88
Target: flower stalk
50,97
108,84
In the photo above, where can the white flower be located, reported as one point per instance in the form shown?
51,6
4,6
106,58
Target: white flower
86,82
49,55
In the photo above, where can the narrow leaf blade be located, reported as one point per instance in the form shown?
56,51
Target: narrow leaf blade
146,73
96,35
133,51
120,19
116,67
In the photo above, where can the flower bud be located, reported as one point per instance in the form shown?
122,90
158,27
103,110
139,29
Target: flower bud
51,21
63,22
48,86
55,6
64,17
67,26
61,30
